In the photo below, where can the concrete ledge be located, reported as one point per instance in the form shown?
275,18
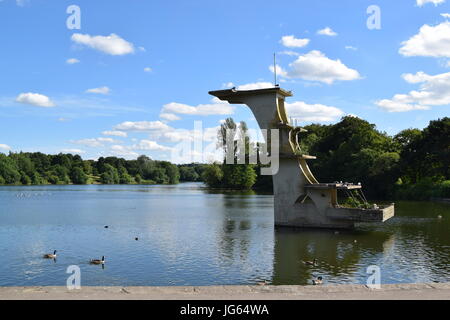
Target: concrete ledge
422,291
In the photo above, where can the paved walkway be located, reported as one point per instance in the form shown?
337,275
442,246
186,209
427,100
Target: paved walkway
424,291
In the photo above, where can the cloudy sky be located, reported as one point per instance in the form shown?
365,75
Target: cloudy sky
136,74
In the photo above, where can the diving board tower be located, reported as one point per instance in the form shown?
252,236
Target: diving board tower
299,199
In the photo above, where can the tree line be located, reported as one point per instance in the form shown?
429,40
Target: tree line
413,164
25,168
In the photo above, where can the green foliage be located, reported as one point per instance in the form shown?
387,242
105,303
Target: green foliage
170,171
138,178
110,175
188,174
36,178
124,177
213,175
353,150
425,189
414,164
238,176
444,191
78,176
38,168
24,179
9,170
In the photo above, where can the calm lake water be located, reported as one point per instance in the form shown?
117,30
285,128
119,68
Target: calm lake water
190,236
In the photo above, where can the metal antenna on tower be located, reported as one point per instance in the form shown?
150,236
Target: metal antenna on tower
275,69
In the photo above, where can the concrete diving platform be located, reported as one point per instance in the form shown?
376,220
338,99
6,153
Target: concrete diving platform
299,199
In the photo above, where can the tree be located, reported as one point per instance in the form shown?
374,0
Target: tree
188,174
227,126
9,170
138,178
238,176
159,176
110,175
78,176
124,177
353,150
24,178
212,175
171,171
36,178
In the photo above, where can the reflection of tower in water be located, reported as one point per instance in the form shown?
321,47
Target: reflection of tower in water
339,256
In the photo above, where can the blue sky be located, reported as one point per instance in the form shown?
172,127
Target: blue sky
136,75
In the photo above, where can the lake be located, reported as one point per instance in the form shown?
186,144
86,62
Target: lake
188,235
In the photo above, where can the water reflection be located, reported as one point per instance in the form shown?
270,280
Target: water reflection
338,255
189,235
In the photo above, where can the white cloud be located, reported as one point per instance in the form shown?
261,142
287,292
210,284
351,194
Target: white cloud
312,112
74,151
169,116
141,126
327,32
217,107
445,15
433,91
129,151
150,145
351,48
423,2
289,53
101,90
431,41
72,61
122,151
255,85
35,99
147,69
4,147
94,142
280,71
315,66
292,42
174,135
178,135
112,44
115,133
227,85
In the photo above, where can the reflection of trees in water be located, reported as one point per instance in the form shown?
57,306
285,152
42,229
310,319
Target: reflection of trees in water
232,241
240,240
337,254
422,240
413,240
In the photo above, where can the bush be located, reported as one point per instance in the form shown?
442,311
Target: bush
238,176
138,179
445,189
78,176
212,175
425,189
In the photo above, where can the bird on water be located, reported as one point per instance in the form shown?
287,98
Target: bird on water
311,263
317,281
97,261
50,255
